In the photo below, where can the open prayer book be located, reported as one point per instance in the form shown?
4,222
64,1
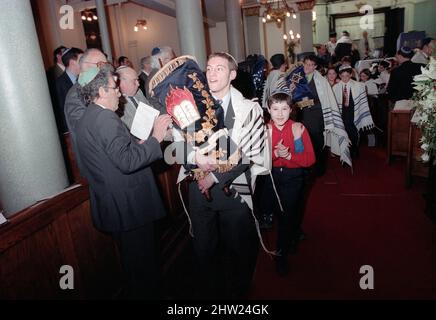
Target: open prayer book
143,121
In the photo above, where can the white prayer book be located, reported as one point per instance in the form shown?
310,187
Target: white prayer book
143,121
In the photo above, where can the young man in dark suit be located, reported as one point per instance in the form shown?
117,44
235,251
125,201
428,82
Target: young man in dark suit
400,82
70,59
123,193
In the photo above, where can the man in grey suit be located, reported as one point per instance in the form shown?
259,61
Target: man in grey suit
131,96
123,193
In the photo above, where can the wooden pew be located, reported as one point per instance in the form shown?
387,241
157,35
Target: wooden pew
398,133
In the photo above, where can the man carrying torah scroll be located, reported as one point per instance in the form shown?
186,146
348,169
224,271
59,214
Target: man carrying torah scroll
224,233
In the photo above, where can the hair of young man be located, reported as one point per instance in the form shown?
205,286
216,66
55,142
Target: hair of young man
57,51
311,57
426,42
233,65
277,60
279,97
90,91
71,54
121,59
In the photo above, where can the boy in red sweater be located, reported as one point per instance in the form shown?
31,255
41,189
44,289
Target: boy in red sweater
292,154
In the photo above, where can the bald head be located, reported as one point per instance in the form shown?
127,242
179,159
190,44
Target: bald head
129,83
90,59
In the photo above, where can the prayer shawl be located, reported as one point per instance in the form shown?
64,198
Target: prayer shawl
335,135
362,115
270,86
249,134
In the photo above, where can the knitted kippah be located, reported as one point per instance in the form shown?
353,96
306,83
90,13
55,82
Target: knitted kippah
87,76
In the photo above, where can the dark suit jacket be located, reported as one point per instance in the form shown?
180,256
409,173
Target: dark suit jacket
52,74
142,81
400,82
122,188
342,50
63,85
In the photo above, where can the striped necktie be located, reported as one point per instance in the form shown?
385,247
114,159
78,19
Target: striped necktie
345,100
135,103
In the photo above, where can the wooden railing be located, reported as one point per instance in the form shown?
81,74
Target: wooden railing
37,241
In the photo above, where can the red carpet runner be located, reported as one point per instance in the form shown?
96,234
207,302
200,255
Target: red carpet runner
368,218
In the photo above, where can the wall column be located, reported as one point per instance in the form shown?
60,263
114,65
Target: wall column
235,35
191,30
306,31
322,22
252,31
31,162
409,16
104,32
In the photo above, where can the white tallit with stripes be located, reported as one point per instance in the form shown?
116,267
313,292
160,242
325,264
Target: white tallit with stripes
335,135
249,134
362,115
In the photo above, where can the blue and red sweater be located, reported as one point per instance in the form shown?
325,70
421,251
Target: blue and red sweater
302,154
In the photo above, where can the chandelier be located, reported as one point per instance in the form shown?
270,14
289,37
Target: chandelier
89,15
277,11
140,24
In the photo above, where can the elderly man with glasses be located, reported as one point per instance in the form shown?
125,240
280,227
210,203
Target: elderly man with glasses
131,96
124,197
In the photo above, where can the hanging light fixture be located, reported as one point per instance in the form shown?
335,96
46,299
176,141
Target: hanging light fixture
277,11
140,24
89,16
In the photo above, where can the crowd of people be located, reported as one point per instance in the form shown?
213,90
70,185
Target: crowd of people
278,142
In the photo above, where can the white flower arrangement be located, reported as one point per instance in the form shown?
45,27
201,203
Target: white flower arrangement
425,97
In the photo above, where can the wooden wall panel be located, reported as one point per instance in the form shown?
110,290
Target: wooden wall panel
97,254
38,241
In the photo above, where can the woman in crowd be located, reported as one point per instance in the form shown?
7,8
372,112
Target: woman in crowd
332,76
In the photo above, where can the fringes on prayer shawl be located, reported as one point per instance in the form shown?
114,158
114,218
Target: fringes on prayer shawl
276,193
186,211
252,213
271,253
